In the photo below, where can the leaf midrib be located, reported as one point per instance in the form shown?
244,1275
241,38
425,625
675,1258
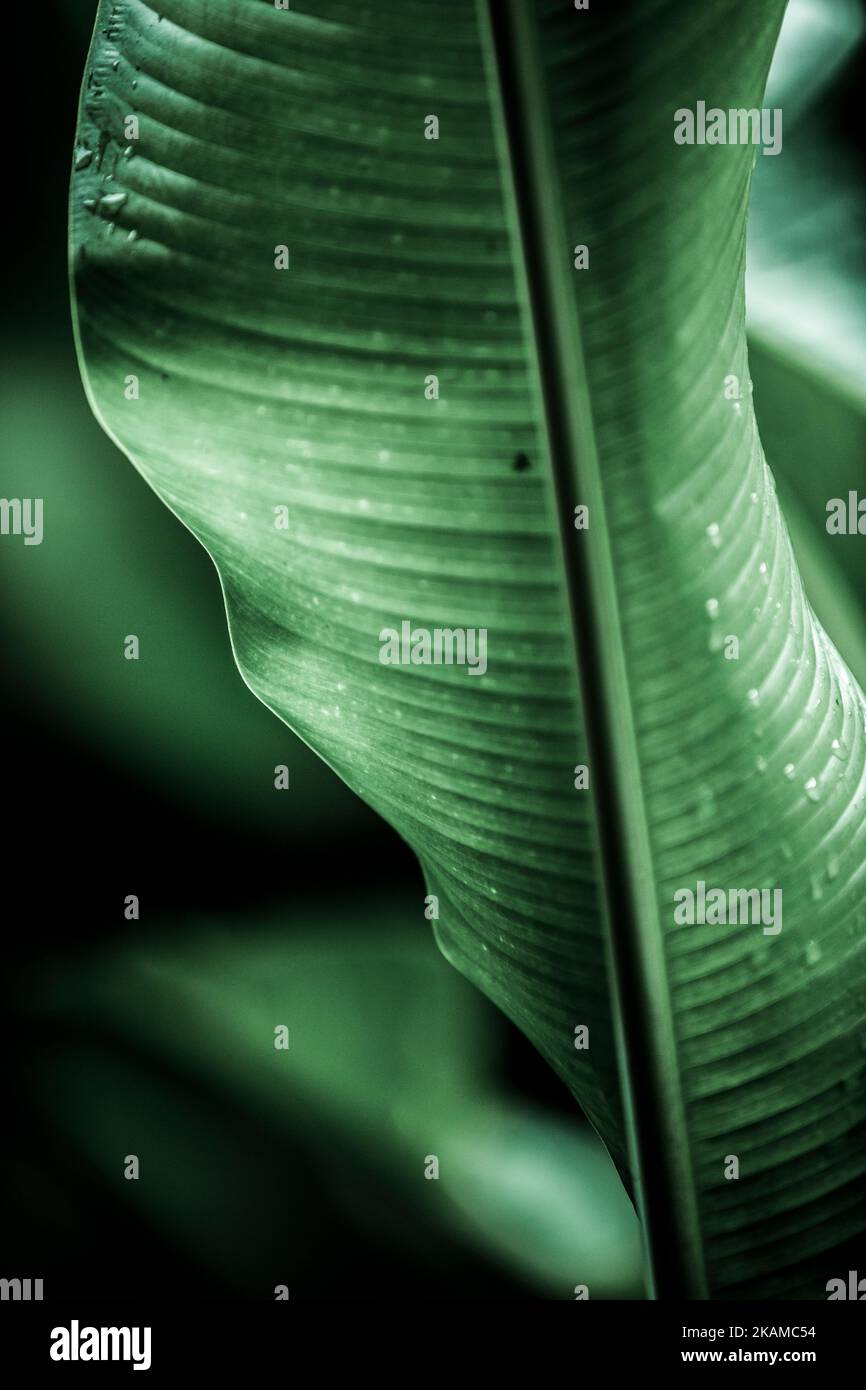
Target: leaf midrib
652,1093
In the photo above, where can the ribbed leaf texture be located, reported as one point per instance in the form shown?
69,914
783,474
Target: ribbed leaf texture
261,388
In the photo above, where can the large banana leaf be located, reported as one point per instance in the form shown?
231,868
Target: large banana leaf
261,388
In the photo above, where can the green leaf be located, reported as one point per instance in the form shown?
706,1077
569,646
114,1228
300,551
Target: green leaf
304,388
806,281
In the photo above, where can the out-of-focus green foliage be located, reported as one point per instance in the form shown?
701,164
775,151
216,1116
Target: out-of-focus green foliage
806,308
389,1062
806,279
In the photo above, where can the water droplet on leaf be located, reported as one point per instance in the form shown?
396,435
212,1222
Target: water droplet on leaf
110,205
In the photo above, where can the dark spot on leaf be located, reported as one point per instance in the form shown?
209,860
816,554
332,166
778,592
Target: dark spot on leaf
521,463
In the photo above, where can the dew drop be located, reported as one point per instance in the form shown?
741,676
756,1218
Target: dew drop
813,952
712,607
713,533
839,750
754,697
110,205
789,770
83,156
812,790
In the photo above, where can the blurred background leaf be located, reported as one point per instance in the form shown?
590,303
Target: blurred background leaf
164,1047
806,277
806,303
